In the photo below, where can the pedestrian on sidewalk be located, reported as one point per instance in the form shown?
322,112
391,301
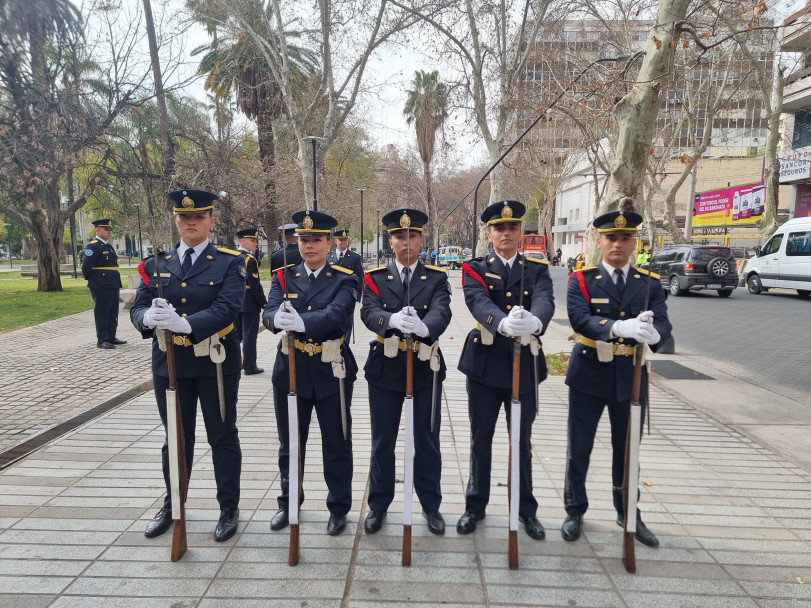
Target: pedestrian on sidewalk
405,297
247,321
203,287
313,299
100,269
606,305
492,288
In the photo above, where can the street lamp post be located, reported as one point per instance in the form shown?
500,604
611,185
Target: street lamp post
314,140
140,240
361,190
378,237
475,230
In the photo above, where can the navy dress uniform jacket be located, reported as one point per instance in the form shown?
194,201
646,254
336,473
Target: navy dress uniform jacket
100,268
277,257
594,303
489,298
350,260
255,300
210,297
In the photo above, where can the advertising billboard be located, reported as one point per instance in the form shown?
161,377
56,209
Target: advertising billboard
733,206
795,166
802,201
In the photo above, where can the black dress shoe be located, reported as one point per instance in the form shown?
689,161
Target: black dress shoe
159,524
534,527
255,370
117,341
467,523
570,530
336,524
643,535
227,526
374,521
280,520
105,345
436,523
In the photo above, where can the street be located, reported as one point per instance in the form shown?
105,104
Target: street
758,338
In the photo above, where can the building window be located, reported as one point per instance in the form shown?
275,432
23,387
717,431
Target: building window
802,130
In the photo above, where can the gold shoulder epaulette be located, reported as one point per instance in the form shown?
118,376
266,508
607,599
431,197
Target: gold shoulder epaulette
437,268
652,274
585,268
378,268
538,261
342,269
93,241
231,251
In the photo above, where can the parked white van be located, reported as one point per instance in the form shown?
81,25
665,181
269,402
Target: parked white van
784,261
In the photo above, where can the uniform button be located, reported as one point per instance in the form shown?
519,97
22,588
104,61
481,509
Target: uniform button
183,300
184,315
384,306
526,293
621,340
622,314
211,282
182,284
509,306
584,351
309,308
475,339
508,294
491,287
598,310
425,306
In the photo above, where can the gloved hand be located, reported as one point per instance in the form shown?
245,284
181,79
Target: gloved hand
647,334
640,329
162,303
160,311
174,323
396,321
513,326
646,316
288,319
413,323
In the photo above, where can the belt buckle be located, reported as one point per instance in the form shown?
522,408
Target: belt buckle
309,348
624,349
179,340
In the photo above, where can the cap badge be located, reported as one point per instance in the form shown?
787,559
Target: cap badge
308,222
187,203
620,222
405,221
506,211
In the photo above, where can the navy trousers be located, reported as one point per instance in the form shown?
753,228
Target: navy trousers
105,313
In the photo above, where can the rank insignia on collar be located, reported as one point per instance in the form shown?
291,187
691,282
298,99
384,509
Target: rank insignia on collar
423,277
210,257
390,277
491,260
599,276
329,274
636,276
168,257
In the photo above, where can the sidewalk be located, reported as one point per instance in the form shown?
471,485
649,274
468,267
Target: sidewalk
727,495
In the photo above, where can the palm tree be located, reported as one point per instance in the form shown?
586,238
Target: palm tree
426,107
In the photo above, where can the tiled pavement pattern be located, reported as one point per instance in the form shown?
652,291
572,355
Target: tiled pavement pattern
732,516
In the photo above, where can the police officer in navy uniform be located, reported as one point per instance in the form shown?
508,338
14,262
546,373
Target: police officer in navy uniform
343,256
606,306
405,297
202,287
492,288
290,249
247,322
100,269
313,299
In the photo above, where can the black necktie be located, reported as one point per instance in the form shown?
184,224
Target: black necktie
186,266
311,277
620,280
406,270
506,272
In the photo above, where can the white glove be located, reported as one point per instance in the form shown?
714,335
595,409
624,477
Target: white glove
288,319
397,320
647,334
640,329
413,324
162,303
155,315
174,323
527,325
518,312
646,316
626,328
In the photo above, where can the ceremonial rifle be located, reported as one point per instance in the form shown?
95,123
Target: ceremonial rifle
513,484
293,459
178,477
630,485
408,476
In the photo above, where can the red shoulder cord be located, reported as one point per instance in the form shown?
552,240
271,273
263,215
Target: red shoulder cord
369,282
581,282
466,269
280,276
142,272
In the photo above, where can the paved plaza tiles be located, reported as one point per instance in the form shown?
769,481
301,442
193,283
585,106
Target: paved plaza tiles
732,513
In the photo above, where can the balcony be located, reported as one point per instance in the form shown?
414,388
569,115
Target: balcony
795,34
797,94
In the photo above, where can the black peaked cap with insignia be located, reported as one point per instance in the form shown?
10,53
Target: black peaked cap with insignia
504,211
248,233
617,222
314,223
289,229
403,219
105,223
192,201
343,233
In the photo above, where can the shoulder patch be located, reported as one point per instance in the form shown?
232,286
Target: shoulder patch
376,269
586,268
341,269
229,251
643,271
92,242
437,268
537,261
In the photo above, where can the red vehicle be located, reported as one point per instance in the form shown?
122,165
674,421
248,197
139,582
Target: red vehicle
532,242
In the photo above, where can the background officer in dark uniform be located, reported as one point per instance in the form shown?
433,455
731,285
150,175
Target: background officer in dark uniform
247,322
391,309
290,244
606,307
100,268
345,257
492,288
319,299
203,287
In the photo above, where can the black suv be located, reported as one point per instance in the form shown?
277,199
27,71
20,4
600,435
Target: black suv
685,268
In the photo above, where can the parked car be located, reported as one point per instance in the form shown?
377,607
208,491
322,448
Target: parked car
452,256
684,268
784,261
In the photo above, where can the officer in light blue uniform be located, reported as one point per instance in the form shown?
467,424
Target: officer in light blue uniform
100,268
247,322
405,297
607,304
201,291
313,300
